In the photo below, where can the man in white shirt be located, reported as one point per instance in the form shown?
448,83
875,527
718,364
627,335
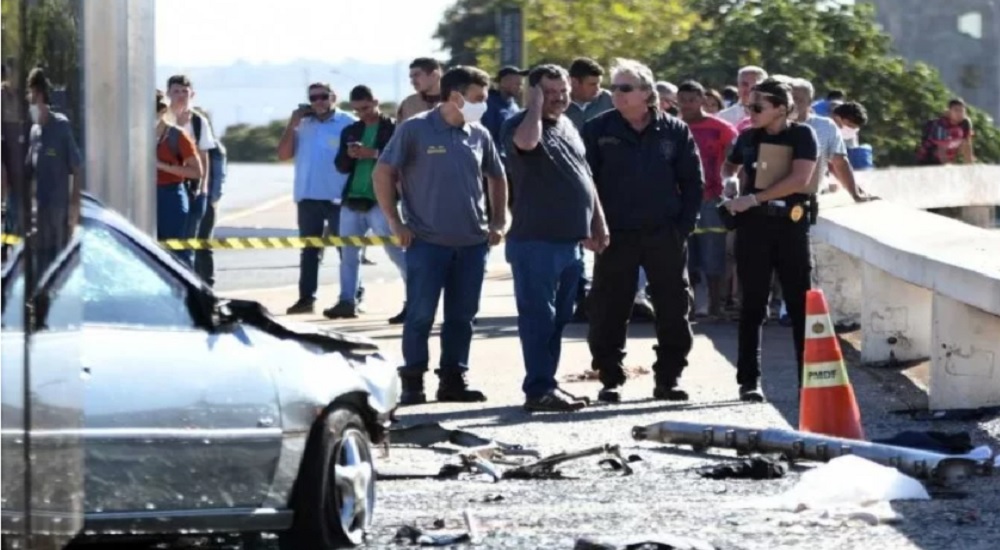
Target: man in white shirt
181,94
737,114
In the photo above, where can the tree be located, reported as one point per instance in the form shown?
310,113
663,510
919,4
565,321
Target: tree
559,31
834,46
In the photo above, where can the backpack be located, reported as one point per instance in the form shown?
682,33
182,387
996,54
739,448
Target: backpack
217,158
174,141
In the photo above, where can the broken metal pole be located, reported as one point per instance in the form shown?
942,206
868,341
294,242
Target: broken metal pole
797,445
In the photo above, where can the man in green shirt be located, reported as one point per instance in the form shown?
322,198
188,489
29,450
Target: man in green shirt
360,144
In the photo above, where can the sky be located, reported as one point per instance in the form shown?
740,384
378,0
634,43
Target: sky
198,33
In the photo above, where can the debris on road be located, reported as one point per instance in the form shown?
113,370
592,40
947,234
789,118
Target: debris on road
658,542
545,468
430,434
756,468
795,445
848,485
593,375
415,535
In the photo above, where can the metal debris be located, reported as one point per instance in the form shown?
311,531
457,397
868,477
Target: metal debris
429,434
796,445
545,467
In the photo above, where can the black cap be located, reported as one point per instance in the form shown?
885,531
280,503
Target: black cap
511,69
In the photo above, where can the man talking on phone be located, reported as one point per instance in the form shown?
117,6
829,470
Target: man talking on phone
312,139
360,144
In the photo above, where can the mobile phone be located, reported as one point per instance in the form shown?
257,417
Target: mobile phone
305,109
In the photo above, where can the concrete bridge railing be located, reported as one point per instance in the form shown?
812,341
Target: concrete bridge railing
920,285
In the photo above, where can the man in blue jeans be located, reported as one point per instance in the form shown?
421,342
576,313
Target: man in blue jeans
360,144
554,209
312,138
440,156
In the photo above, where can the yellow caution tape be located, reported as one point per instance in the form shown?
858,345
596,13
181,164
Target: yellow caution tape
265,243
259,243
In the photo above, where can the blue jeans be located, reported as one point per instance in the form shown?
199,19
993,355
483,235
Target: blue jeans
546,275
204,260
198,206
458,271
172,209
314,216
356,223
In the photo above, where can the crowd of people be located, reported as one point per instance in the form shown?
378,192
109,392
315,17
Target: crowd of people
663,183
669,186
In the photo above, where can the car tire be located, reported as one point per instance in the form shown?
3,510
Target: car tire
334,496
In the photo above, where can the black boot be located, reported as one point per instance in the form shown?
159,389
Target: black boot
413,388
454,388
612,377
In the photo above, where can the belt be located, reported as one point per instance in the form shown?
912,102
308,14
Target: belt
794,211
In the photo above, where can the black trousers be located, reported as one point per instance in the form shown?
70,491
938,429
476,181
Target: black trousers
663,254
765,245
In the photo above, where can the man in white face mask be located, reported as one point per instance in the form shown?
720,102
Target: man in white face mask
440,157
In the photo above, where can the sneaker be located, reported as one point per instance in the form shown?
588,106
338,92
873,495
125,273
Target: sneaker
670,393
751,394
583,399
366,261
399,318
343,310
642,310
554,401
302,306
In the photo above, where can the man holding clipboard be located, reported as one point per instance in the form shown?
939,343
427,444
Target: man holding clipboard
771,217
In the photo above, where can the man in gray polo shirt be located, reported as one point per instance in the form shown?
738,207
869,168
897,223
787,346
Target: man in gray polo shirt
555,208
440,156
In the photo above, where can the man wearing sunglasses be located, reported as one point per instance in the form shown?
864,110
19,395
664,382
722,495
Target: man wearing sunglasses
649,180
312,139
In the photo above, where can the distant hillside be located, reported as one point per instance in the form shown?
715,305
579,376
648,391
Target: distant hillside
259,93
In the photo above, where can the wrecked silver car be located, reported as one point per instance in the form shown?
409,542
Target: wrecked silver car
200,414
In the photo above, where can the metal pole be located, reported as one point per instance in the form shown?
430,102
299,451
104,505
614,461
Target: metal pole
119,86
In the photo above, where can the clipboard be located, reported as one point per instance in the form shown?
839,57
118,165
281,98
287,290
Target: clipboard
774,163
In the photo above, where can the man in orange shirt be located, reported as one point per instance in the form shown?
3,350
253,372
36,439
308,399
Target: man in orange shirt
176,162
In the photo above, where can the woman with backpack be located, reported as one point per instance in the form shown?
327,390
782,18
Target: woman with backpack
176,161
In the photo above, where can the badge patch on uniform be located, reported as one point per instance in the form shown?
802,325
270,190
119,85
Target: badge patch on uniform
667,149
796,212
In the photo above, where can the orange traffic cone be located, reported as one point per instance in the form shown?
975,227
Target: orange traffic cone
827,405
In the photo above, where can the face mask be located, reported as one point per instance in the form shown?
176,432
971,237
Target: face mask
848,133
33,111
473,112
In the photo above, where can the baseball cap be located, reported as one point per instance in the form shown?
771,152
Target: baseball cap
511,69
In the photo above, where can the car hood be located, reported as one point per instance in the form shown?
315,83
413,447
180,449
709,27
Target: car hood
375,369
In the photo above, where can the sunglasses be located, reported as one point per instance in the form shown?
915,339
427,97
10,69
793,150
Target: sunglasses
319,97
757,108
624,88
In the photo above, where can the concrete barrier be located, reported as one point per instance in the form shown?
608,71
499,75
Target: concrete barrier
920,285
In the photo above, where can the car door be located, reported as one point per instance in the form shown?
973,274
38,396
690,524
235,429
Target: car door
177,418
44,422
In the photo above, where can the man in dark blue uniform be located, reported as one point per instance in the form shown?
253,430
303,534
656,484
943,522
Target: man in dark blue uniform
649,179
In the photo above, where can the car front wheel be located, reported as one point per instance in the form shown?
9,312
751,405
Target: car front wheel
334,496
